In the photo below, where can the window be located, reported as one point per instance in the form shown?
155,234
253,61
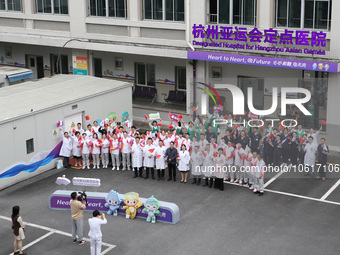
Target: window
240,12
117,8
62,65
174,10
170,10
11,5
145,74
108,8
52,6
313,14
29,146
61,6
181,78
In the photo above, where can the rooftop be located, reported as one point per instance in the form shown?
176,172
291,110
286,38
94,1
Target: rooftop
10,70
39,95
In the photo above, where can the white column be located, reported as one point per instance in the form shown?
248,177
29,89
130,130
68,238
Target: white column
134,13
78,13
333,115
265,13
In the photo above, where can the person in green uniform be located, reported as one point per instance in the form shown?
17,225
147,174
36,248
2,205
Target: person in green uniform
190,129
154,127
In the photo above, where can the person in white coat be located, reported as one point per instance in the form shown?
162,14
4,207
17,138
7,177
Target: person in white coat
310,149
187,142
105,150
240,153
259,175
314,134
86,146
247,167
149,159
160,160
219,170
114,149
167,140
79,128
89,132
137,158
76,150
126,149
95,151
184,163
66,150
196,165
95,232
253,164
95,129
208,165
229,153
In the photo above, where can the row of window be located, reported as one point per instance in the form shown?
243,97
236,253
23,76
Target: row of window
42,6
171,10
315,14
312,14
145,75
10,5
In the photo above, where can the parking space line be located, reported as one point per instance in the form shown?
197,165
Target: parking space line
55,231
107,250
330,190
273,179
36,241
292,195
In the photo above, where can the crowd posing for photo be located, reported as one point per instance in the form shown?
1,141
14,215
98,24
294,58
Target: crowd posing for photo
199,147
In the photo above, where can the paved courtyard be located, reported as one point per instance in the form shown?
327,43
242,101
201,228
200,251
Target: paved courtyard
297,215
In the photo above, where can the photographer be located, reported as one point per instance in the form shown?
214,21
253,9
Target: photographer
95,233
77,208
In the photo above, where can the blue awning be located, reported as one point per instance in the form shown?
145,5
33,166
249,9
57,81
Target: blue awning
20,76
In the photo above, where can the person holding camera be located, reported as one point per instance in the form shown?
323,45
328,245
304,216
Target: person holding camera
18,230
77,209
95,232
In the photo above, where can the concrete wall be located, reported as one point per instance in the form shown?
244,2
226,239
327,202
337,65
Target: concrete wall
19,51
40,126
164,68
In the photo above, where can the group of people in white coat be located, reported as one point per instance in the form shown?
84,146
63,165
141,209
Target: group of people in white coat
197,150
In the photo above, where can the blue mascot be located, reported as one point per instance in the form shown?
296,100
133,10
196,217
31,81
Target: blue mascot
112,202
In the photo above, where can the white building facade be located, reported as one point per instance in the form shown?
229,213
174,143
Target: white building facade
151,43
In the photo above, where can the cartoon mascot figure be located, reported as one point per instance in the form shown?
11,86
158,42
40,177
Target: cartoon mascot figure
132,203
151,207
113,202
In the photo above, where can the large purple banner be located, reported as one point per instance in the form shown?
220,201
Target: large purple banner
264,61
167,210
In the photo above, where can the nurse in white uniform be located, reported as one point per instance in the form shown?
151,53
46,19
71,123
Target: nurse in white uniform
66,150
183,164
310,150
77,148
196,164
137,158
